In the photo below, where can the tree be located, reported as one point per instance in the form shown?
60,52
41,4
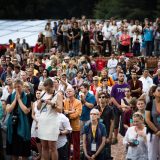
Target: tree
137,9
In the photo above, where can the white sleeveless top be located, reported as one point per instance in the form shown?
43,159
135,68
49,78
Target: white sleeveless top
48,121
34,132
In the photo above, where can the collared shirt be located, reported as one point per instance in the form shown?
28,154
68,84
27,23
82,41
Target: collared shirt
85,116
64,125
147,83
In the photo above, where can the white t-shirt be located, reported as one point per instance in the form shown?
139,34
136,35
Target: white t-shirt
147,83
64,125
107,33
112,63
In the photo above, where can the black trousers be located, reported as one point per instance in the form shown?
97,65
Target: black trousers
105,44
63,152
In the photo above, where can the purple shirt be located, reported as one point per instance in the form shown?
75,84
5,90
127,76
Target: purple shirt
118,91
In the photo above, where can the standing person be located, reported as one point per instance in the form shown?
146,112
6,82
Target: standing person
49,105
85,41
88,100
94,138
148,38
136,139
107,118
76,38
65,28
135,85
111,65
117,94
18,128
48,36
73,110
107,34
146,81
34,128
125,41
62,143
152,118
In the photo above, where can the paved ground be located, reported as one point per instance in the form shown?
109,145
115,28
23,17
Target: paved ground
118,150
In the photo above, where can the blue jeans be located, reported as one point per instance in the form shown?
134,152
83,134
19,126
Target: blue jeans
75,44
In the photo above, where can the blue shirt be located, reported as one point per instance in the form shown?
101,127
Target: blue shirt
148,34
85,116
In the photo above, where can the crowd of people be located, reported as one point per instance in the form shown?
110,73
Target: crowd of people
60,102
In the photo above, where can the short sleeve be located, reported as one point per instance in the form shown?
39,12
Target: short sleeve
28,105
149,106
104,133
8,99
85,128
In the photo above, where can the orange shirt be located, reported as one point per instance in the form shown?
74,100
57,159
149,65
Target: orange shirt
110,82
74,117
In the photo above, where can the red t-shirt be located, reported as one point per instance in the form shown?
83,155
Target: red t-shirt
101,64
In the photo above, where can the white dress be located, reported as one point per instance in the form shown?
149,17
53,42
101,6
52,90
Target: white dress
48,121
34,132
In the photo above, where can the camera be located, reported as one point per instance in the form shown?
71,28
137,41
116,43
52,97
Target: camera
135,142
42,100
14,119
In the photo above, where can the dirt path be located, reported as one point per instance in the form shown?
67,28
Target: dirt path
118,150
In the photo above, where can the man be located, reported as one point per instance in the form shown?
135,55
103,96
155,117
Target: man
107,118
8,88
146,81
107,34
117,94
156,79
16,72
111,65
88,100
23,77
8,72
135,85
32,79
73,109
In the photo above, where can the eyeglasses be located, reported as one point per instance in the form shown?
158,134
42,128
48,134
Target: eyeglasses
102,97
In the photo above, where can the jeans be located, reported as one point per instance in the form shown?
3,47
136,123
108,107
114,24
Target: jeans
75,45
149,48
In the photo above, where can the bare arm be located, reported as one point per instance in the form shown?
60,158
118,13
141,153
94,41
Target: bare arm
148,121
23,107
59,103
10,107
116,103
101,146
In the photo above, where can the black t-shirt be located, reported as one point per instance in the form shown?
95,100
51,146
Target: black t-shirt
99,36
149,108
75,32
106,116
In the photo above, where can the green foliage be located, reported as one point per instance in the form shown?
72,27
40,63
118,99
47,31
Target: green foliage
130,9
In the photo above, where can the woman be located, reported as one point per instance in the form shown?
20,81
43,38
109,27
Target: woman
44,76
136,140
126,100
48,122
125,107
35,116
18,128
152,118
94,137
